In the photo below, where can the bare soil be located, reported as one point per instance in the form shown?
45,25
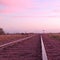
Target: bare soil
9,38
26,50
52,47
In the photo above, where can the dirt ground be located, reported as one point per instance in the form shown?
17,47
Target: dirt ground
52,47
26,50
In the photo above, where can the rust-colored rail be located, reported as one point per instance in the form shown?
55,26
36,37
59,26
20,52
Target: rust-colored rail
10,43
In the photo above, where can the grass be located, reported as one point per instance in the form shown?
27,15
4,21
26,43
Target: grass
11,37
54,36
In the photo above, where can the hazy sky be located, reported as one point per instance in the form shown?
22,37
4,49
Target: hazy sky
30,15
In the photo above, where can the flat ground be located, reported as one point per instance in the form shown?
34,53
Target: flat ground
26,50
52,45
10,38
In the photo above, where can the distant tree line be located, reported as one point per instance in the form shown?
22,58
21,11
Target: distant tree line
1,31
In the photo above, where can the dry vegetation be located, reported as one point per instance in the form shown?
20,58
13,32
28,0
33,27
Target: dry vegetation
11,37
54,36
8,38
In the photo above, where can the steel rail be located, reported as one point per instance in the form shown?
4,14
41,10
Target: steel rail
10,43
44,54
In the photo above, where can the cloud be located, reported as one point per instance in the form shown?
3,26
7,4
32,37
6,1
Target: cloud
1,17
15,5
30,8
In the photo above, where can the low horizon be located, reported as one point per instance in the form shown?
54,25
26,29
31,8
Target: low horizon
30,16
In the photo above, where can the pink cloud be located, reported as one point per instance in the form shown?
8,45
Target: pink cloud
1,17
15,5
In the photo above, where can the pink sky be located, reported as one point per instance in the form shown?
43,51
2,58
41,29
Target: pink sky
30,15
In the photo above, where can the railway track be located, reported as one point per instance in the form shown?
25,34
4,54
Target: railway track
13,42
52,47
29,48
44,54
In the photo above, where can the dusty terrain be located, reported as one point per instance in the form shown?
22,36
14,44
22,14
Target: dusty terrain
9,38
26,50
52,46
